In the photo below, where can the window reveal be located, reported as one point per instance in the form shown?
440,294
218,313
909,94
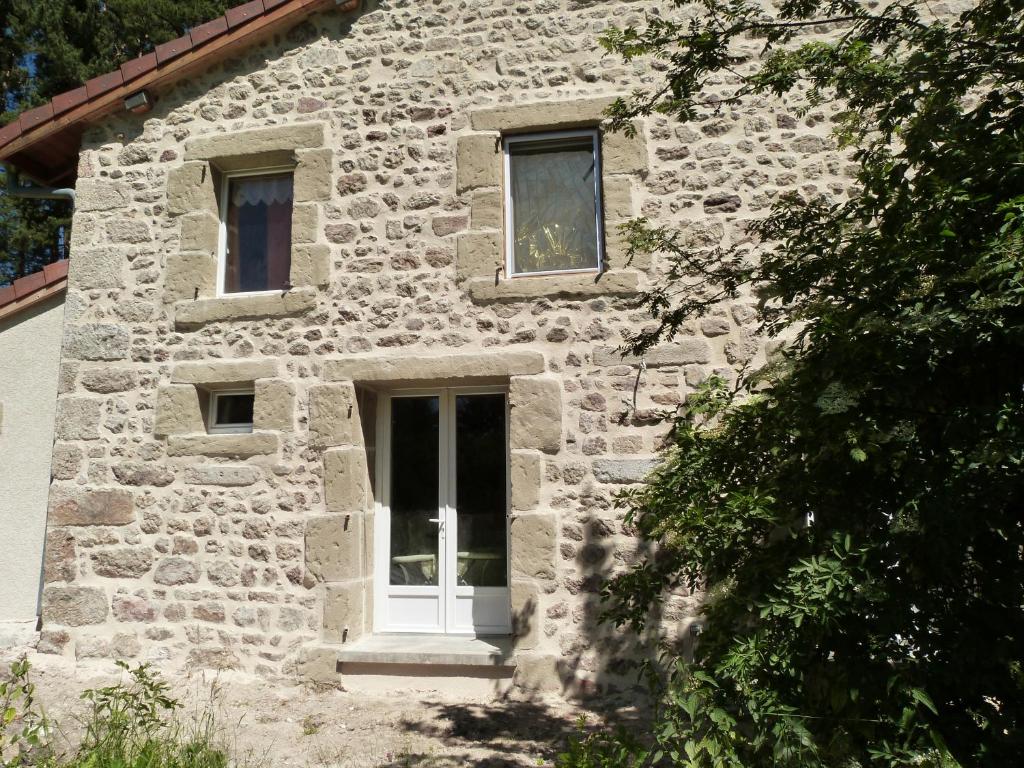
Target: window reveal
553,203
257,233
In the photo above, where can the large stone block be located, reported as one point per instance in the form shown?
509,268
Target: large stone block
122,562
623,471
478,161
227,446
462,366
542,115
189,276
526,615
344,612
318,665
311,265
95,341
223,475
174,571
536,413
60,556
274,408
478,254
532,545
189,314
70,505
334,417
101,195
224,372
541,673
278,138
575,286
313,175
617,197
190,188
107,380
305,223
624,154
78,418
98,268
683,352
525,473
74,606
334,545
143,473
178,410
200,231
346,482
487,210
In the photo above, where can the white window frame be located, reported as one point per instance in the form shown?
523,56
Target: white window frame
240,428
552,136
222,240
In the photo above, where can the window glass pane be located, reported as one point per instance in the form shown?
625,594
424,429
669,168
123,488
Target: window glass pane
259,233
414,490
234,409
554,205
480,478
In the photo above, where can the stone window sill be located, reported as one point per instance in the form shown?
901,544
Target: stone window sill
235,446
435,650
582,285
250,307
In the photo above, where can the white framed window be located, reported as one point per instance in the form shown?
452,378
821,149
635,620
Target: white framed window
553,203
231,411
255,231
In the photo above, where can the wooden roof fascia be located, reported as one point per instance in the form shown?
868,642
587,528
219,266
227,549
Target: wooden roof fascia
245,32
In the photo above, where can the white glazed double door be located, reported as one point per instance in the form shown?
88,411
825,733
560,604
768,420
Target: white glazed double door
441,537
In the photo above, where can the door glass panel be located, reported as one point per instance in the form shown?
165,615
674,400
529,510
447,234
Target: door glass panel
414,490
481,490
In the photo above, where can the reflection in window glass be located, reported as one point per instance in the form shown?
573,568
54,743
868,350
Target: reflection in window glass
258,215
232,411
554,205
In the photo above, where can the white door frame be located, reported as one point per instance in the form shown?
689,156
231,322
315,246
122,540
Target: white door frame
448,594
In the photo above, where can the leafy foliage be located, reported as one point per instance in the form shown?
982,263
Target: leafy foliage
49,47
22,724
890,630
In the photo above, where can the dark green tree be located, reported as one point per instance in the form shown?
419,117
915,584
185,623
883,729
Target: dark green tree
52,46
888,631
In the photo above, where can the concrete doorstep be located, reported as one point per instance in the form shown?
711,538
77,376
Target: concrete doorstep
434,650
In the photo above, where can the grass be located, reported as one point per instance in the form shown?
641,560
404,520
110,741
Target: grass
133,724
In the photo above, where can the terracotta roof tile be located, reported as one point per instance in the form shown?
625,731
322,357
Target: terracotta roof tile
242,14
209,30
100,85
34,131
138,67
173,49
52,276
69,100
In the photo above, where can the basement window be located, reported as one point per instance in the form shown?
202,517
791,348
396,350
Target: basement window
231,411
553,203
256,231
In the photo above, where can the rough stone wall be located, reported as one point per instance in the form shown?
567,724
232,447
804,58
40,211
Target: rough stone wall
179,551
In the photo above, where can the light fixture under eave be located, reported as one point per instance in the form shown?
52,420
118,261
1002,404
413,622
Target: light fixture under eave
139,103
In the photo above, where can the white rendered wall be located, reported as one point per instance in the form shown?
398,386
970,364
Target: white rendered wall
29,361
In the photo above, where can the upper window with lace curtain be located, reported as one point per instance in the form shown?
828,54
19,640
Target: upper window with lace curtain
256,232
553,203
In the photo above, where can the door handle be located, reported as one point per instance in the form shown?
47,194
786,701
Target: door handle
434,520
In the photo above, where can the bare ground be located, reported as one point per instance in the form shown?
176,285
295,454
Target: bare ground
287,725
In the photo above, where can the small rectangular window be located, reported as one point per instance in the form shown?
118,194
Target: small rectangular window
256,232
231,412
553,203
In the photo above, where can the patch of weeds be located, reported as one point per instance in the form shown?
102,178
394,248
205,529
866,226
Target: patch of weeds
310,726
22,722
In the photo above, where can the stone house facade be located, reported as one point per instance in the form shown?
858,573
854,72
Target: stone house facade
277,547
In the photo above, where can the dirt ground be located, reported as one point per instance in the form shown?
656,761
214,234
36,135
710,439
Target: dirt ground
287,725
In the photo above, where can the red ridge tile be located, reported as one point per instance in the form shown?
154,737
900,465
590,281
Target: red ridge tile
269,5
58,270
23,286
33,117
7,295
242,14
208,31
10,132
138,67
62,102
108,82
173,49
